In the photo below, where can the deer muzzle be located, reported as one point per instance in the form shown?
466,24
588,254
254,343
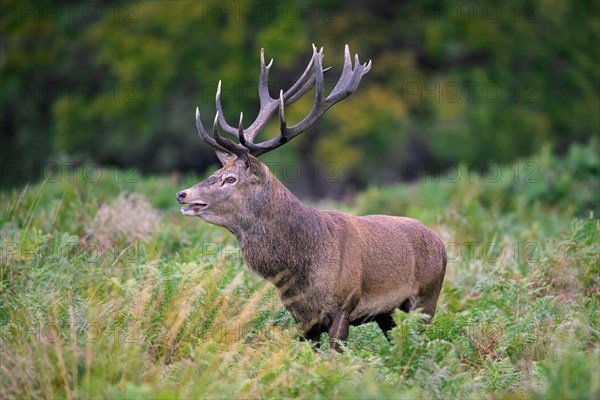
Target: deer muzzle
193,207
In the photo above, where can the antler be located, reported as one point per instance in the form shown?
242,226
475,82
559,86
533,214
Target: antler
313,75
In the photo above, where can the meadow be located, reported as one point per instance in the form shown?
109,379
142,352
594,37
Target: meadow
107,291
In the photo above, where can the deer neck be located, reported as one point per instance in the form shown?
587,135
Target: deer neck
279,236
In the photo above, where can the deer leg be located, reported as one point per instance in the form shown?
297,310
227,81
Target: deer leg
386,323
428,305
312,330
339,330
313,335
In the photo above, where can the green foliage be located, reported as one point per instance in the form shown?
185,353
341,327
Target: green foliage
569,374
529,186
168,310
450,83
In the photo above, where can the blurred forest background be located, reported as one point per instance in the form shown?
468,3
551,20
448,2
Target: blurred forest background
452,82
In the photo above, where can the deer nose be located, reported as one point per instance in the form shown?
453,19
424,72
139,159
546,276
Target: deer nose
181,196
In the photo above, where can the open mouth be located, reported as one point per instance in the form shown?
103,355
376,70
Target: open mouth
193,208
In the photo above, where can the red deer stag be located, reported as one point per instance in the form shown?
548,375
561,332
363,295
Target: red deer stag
331,269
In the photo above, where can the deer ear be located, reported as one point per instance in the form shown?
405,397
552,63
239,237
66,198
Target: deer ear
256,167
223,157
226,157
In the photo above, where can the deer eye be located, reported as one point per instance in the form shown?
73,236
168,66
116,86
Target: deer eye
230,179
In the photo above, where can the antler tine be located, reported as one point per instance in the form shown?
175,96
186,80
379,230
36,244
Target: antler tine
257,149
312,76
263,82
266,101
304,89
224,125
261,148
346,72
306,81
241,136
227,144
282,123
347,84
204,135
268,105
303,82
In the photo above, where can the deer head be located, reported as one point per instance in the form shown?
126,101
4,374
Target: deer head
237,190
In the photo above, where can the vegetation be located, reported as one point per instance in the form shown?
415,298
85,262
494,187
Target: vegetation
487,108
451,82
107,291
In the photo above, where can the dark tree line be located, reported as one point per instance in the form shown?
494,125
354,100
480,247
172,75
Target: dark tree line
475,82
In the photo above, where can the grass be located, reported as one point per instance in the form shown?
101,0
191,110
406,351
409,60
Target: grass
107,291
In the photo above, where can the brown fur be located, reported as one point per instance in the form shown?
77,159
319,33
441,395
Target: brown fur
331,269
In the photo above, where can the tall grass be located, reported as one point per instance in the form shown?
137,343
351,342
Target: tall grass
106,291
